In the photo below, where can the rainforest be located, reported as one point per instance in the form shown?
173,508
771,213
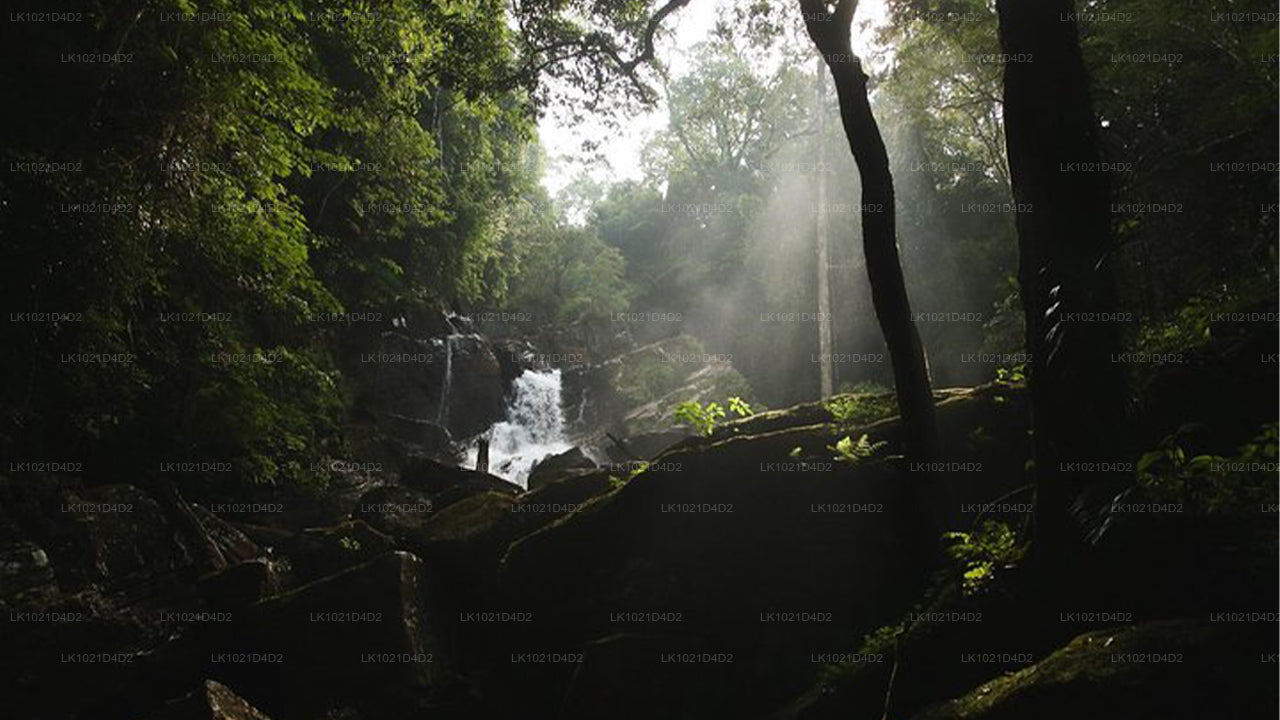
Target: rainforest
634,359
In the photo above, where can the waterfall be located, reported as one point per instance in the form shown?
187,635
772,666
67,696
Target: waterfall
534,427
582,406
442,415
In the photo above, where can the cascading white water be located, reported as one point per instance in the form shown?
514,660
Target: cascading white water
442,415
534,427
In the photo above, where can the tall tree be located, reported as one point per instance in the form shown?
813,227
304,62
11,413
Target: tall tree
824,257
830,32
1063,221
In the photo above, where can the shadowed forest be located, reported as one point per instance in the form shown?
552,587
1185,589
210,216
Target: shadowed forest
634,359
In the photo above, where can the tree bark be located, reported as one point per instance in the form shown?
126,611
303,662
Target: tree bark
829,31
1063,223
826,377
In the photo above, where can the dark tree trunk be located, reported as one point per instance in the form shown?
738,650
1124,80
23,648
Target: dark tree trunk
1063,221
830,33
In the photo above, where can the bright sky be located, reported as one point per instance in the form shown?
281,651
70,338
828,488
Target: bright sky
563,140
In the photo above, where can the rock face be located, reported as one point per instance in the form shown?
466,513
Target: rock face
708,548
557,467
212,701
761,551
395,510
447,484
636,677
364,638
302,557
473,379
633,393
425,391
1174,669
98,575
646,445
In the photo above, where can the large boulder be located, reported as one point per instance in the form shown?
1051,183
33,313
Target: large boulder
557,467
395,510
297,506
475,397
634,392
366,638
453,380
1174,670
241,584
303,557
114,536
447,484
638,677
646,445
473,534
103,582
211,701
417,436
762,544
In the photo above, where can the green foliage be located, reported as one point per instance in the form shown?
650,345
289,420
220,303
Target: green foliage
1193,327
566,273
701,418
704,418
1154,116
1242,483
1012,375
856,410
854,453
288,160
647,375
981,555
642,382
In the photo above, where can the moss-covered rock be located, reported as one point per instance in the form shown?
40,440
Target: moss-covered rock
1170,670
367,638
211,701
557,467
727,533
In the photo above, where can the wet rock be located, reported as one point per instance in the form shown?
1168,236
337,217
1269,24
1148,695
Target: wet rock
212,701
514,357
476,387
636,677
24,571
395,510
114,536
540,507
302,557
241,584
419,436
733,531
466,519
92,580
472,535
447,484
366,638
1173,670
647,445
293,506
231,544
453,380
557,467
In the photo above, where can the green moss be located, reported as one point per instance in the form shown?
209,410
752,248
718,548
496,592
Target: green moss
855,410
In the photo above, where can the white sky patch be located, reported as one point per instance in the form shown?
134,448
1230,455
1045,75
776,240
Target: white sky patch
621,148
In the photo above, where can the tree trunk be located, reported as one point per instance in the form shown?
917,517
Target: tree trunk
826,382
830,33
1063,222
482,454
